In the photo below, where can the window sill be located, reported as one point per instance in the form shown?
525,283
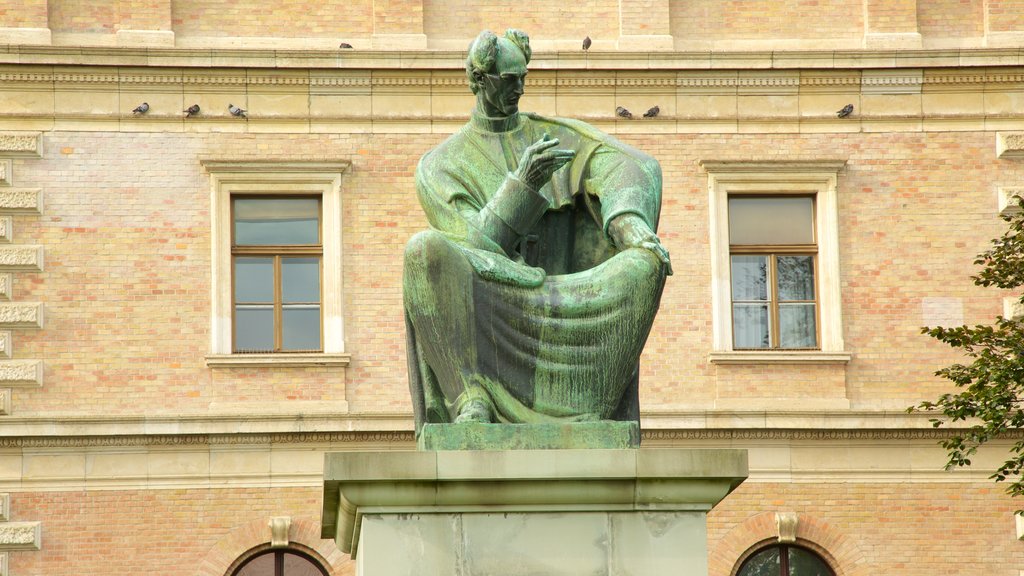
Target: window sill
779,357
276,360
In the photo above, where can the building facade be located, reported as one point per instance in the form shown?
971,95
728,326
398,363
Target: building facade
158,417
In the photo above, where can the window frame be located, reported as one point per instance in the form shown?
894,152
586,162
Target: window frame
230,179
773,251
278,252
279,554
816,178
783,549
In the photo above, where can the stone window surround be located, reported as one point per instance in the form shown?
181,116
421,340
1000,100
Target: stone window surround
273,177
818,177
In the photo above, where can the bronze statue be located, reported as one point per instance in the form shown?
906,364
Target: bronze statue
531,296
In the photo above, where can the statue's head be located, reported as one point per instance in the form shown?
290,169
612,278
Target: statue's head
496,69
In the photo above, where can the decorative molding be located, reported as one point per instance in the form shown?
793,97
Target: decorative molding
21,143
21,373
785,525
20,535
276,360
279,526
21,201
1010,145
26,258
21,315
6,172
408,437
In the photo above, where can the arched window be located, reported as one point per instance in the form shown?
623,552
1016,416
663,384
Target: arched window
783,560
280,563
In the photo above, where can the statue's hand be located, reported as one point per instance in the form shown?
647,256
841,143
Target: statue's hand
631,231
540,160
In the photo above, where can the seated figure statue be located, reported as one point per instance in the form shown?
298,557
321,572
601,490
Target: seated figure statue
531,296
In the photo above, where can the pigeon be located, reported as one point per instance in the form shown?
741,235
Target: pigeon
141,108
236,111
846,111
345,45
652,112
622,112
586,43
192,110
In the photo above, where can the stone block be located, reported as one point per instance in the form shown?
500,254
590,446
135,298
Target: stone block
6,172
6,286
28,144
1010,145
27,258
21,201
1008,200
21,315
538,543
652,543
20,535
21,373
578,435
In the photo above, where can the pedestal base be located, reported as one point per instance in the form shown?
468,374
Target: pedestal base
526,512
473,436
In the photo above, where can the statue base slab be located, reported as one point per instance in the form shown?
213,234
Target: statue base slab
524,512
569,435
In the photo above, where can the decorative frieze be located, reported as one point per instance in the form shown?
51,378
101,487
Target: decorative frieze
21,373
28,258
20,535
21,315
21,201
21,144
1010,145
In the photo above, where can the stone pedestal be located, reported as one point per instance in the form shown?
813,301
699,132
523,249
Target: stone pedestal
527,512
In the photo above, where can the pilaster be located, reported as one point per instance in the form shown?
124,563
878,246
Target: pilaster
645,25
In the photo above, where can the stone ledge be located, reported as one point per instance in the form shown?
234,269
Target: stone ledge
276,360
778,357
522,481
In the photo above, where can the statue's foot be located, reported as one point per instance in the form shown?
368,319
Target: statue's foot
475,411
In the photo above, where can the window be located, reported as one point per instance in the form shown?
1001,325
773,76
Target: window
276,252
280,563
772,260
775,262
784,560
276,263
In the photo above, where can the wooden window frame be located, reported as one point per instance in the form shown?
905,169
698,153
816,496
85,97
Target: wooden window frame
230,178
277,253
772,251
817,178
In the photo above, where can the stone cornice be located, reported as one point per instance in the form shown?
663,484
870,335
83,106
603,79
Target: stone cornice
62,430
454,59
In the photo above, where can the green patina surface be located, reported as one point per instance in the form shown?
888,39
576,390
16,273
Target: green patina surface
576,435
530,297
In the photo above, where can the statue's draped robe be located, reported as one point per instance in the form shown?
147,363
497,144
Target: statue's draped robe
519,298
